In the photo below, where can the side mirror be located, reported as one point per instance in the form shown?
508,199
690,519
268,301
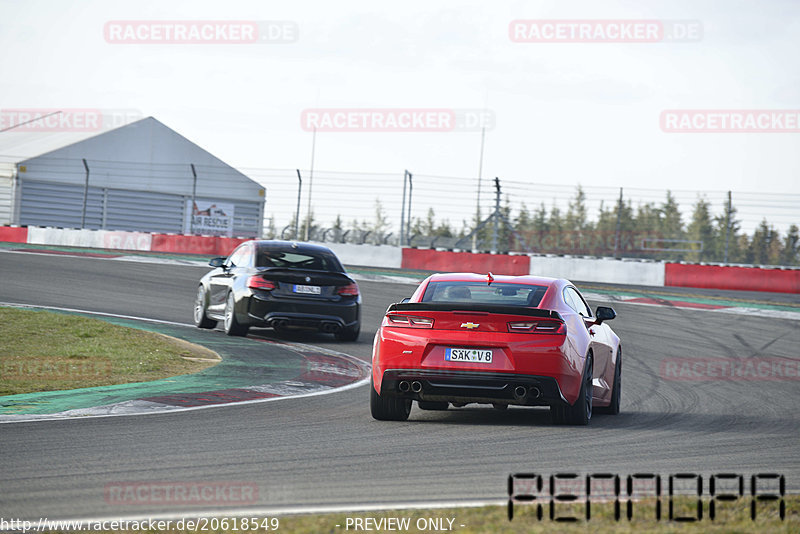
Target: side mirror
604,313
217,262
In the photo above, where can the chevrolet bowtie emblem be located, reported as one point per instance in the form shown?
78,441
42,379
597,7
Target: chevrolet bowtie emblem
469,325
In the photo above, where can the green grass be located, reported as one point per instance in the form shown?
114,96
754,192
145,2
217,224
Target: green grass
731,517
45,351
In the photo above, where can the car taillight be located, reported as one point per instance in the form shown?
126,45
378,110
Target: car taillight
538,327
350,290
257,282
409,321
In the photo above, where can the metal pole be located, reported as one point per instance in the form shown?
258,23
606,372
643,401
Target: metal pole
85,193
310,180
194,196
410,191
478,200
728,210
619,224
496,214
403,210
297,215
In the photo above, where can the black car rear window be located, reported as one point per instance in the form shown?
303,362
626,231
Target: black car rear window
505,294
295,259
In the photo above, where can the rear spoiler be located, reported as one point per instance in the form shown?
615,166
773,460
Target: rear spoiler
291,274
483,308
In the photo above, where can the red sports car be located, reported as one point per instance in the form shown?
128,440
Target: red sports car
500,340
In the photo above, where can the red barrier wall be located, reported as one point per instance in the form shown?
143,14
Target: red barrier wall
11,234
436,260
742,278
195,244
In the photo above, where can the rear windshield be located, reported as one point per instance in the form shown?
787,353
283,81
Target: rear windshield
293,259
480,293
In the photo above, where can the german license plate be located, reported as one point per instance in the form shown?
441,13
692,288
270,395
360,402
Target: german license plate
308,290
468,355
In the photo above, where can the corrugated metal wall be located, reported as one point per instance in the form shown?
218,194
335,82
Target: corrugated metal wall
61,205
6,199
140,178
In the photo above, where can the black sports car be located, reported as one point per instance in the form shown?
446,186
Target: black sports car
279,284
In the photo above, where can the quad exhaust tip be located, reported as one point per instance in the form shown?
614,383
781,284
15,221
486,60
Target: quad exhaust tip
416,386
404,386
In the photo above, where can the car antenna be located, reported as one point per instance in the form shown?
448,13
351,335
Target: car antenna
489,279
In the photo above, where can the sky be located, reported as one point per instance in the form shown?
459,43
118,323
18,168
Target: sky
559,113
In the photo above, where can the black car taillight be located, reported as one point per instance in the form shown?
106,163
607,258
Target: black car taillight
257,282
410,321
538,327
350,290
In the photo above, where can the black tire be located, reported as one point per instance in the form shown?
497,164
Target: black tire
201,320
616,392
433,405
231,324
579,413
558,414
386,408
348,334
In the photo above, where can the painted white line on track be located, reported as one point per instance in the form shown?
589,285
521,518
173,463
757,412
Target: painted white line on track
7,419
89,312
121,257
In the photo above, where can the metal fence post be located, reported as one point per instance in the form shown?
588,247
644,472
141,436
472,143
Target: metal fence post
619,225
194,199
403,211
297,215
728,210
85,194
310,181
496,214
410,194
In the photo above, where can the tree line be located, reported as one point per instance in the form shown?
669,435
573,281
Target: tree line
652,230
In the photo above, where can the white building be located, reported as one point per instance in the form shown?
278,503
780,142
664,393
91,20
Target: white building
141,177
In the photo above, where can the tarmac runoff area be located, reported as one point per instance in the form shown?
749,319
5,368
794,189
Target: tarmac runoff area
260,370
251,370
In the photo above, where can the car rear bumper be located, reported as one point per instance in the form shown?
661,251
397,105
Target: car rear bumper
327,317
467,386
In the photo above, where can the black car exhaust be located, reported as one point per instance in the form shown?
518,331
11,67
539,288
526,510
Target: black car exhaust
404,386
416,386
520,392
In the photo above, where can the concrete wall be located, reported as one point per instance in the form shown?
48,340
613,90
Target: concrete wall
606,270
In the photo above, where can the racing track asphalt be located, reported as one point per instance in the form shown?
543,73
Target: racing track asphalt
328,450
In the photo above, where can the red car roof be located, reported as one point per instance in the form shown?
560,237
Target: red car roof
473,277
